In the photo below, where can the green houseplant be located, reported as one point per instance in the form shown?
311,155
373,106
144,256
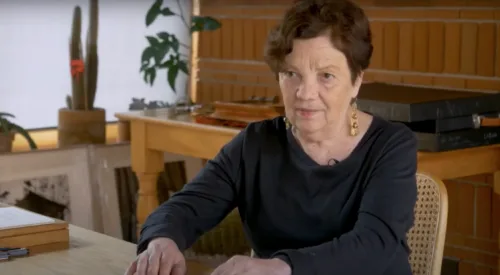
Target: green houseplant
164,51
81,122
8,129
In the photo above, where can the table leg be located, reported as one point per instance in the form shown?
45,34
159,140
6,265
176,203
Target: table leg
146,164
147,200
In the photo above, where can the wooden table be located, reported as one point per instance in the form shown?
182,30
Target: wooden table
89,253
152,132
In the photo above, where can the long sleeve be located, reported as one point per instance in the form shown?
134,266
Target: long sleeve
201,204
385,215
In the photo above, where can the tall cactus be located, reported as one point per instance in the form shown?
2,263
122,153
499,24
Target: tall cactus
84,73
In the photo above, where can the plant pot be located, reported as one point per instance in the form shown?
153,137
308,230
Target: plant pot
6,141
77,127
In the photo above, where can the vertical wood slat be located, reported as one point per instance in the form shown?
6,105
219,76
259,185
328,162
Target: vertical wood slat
405,46
497,52
237,39
248,39
377,61
204,45
485,49
227,94
452,47
260,35
216,43
465,207
391,47
436,47
469,48
483,212
420,46
227,38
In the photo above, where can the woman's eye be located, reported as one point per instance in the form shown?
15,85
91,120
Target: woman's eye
289,74
328,76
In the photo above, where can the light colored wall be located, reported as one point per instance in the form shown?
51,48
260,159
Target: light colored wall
34,56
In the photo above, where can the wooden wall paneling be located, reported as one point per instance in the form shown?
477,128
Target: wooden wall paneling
469,48
485,61
497,53
216,90
483,211
465,208
238,91
227,38
204,44
260,36
391,45
436,47
449,82
216,43
237,39
452,47
377,61
227,93
248,39
452,190
421,46
405,58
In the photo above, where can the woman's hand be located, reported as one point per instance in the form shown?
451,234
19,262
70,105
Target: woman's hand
243,265
162,257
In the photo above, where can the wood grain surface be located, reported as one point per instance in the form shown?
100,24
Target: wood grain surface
89,253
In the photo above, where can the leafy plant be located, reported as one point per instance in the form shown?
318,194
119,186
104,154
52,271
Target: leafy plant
84,73
163,51
7,127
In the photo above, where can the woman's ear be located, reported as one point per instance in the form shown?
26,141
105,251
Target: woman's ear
357,85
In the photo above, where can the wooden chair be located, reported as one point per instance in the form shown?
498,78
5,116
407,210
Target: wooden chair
427,236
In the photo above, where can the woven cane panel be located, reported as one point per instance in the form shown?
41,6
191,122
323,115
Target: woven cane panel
422,237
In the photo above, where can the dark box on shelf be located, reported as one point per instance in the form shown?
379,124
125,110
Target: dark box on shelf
442,119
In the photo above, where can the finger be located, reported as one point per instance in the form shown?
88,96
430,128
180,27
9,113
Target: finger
154,263
131,270
220,270
142,264
179,269
165,265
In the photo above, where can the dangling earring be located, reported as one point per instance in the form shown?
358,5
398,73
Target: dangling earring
287,123
354,118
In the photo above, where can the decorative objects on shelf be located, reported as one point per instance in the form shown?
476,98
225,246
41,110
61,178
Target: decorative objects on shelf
164,50
81,122
239,113
8,130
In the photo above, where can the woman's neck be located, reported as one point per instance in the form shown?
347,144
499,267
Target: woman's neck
324,138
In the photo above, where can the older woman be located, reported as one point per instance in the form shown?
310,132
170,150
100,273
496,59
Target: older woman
327,189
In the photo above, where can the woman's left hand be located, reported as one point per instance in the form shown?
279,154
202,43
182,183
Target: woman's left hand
243,265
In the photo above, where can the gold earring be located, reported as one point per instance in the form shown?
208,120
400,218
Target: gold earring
354,118
287,123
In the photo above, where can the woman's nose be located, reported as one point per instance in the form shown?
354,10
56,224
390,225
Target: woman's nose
307,91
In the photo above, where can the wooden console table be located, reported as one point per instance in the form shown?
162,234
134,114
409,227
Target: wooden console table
152,132
89,253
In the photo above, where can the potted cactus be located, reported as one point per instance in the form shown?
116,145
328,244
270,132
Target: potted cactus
81,122
8,130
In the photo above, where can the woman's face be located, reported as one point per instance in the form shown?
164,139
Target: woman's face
316,85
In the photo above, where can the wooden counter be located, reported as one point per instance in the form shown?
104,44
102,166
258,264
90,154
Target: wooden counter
89,253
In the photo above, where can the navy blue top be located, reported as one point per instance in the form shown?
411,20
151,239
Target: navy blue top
348,218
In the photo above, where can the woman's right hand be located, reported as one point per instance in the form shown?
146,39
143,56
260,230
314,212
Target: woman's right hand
162,257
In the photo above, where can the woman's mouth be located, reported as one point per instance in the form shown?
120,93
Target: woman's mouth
306,113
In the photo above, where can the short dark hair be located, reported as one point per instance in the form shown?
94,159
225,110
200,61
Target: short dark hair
345,21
